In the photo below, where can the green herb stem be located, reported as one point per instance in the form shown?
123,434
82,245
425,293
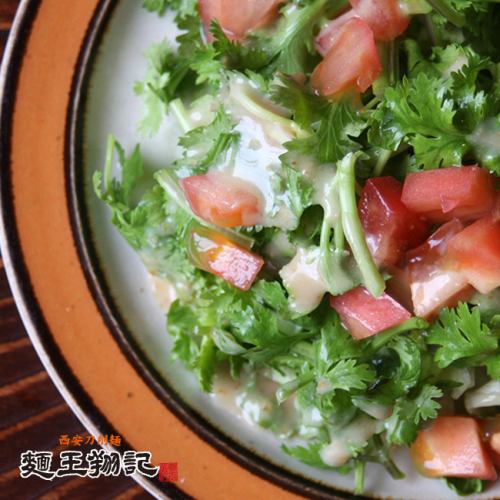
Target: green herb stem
386,336
110,148
352,226
179,110
448,12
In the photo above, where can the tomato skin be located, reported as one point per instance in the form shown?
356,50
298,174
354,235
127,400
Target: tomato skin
351,63
443,194
364,315
398,286
223,200
496,208
390,227
452,447
385,17
326,37
475,252
433,284
237,18
491,434
214,253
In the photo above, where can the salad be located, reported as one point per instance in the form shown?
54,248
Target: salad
331,226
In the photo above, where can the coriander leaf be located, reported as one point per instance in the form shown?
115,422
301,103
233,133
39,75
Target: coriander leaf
204,145
419,111
272,294
346,375
335,344
407,414
459,333
292,44
165,73
493,366
310,455
407,374
305,107
158,6
334,133
299,191
206,363
181,324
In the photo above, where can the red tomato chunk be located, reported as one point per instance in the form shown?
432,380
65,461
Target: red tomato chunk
364,315
385,17
491,433
238,17
352,62
433,284
326,37
214,253
390,227
475,252
452,447
223,200
443,194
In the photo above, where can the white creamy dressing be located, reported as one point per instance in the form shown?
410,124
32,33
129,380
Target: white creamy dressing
457,65
163,291
464,376
484,396
263,131
323,180
255,404
303,280
339,450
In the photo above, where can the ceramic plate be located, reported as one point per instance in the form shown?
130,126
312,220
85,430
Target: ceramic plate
85,297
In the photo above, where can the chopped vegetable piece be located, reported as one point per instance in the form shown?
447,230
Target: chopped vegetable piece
443,194
212,252
385,17
329,33
452,447
496,208
237,18
475,252
223,200
491,433
390,227
433,284
398,286
364,315
352,63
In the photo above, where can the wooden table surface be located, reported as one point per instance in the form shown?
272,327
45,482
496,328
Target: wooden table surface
32,412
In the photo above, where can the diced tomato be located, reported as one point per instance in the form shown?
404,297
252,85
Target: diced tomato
491,433
216,254
475,252
327,35
352,63
496,208
440,195
238,17
390,227
364,315
433,284
223,200
452,447
398,286
385,17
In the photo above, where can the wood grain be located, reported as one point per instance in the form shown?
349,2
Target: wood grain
32,412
